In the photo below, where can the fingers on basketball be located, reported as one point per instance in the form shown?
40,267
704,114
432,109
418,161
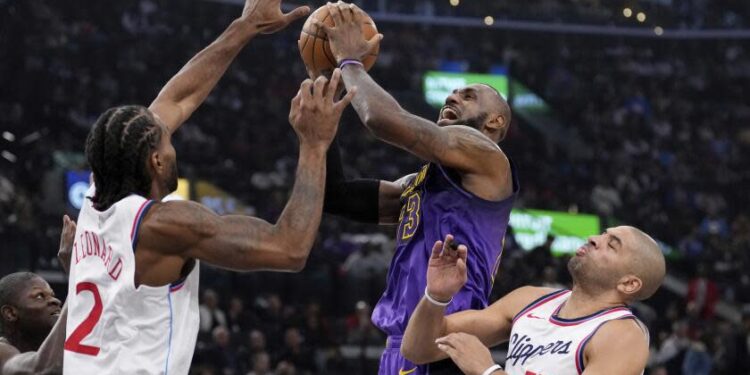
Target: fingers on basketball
315,49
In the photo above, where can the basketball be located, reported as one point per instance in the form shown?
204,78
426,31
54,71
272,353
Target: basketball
314,47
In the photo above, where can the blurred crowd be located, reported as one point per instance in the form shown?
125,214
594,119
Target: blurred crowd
664,124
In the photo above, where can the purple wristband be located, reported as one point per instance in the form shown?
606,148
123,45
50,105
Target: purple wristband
346,62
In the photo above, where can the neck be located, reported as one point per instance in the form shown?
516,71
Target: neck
24,343
584,302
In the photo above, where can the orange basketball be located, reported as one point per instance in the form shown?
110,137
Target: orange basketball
313,43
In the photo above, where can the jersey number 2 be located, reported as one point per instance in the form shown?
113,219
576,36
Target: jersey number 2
73,343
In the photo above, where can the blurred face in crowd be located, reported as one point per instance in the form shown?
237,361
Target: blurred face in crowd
478,106
623,259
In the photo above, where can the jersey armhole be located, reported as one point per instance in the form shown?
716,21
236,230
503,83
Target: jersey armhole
134,231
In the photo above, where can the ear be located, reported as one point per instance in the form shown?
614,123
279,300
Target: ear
8,313
496,122
155,161
629,285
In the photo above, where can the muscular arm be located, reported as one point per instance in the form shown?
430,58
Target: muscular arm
185,92
491,325
369,201
619,347
244,243
459,147
49,357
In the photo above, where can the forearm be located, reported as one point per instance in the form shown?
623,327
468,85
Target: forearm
375,107
48,357
185,92
355,199
299,222
425,326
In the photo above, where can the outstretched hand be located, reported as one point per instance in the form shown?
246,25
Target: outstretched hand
67,237
315,113
267,16
467,352
446,270
346,38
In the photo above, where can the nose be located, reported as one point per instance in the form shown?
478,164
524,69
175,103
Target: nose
453,98
593,240
55,302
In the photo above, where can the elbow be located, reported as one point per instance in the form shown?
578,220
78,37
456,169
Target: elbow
296,264
412,355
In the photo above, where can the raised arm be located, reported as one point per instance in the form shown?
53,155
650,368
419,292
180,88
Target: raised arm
460,147
185,92
446,275
246,243
363,200
49,357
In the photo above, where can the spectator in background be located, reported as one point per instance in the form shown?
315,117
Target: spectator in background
296,353
359,327
210,314
220,354
261,364
702,296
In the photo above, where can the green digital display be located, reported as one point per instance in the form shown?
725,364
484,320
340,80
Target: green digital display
531,227
438,85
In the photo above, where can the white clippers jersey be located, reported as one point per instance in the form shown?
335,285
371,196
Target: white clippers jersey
543,344
112,327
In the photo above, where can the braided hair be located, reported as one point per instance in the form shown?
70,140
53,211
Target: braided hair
117,149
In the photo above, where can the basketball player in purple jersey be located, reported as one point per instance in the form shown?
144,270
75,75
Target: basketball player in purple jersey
467,188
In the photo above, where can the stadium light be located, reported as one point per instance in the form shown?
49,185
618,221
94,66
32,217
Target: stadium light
454,2
9,156
658,30
489,20
627,12
641,17
9,136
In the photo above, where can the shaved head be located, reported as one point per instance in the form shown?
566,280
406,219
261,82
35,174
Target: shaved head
500,107
646,262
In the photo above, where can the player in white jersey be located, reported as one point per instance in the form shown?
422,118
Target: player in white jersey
586,330
133,293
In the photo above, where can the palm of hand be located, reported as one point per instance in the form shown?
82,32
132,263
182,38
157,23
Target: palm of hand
445,276
266,14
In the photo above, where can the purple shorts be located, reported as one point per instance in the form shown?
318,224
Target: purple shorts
392,363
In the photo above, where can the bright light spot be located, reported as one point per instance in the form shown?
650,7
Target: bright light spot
9,156
9,136
641,16
627,12
489,20
658,30
455,2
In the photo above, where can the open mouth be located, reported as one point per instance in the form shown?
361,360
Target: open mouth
581,251
449,113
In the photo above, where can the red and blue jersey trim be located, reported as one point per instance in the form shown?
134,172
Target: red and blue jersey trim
137,222
582,345
554,319
540,301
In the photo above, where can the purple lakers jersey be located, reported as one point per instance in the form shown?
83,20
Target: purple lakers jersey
433,205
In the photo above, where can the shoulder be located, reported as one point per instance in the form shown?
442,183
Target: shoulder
467,137
516,301
7,351
620,344
177,223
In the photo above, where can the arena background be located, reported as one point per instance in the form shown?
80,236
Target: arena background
639,122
